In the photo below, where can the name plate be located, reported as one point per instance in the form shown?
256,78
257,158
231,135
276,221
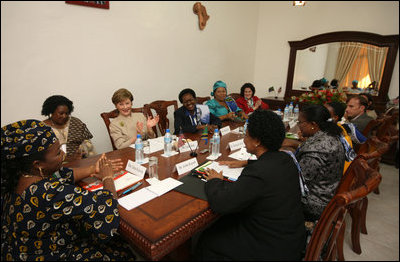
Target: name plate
186,166
187,146
135,169
236,144
225,130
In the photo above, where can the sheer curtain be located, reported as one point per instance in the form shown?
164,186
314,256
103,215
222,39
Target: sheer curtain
359,70
376,61
348,52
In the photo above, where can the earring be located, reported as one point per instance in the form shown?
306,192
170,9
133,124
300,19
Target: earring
312,128
41,172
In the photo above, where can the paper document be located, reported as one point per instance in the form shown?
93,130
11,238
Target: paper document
136,199
164,186
242,154
148,193
233,173
121,181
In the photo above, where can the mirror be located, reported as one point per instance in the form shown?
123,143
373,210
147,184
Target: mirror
321,61
314,58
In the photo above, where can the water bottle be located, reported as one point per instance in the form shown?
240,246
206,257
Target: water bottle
279,113
286,113
139,155
290,111
296,112
167,143
245,126
215,143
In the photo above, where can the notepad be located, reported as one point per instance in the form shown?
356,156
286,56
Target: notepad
121,180
148,193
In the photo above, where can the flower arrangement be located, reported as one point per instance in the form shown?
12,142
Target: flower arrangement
321,97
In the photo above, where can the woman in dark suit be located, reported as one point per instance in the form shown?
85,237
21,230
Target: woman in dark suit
192,116
262,217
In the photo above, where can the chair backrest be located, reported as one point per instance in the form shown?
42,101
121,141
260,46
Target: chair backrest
372,127
113,114
372,151
388,132
161,108
201,100
358,181
234,95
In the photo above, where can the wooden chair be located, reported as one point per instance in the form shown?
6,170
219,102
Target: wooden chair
326,241
358,210
161,108
113,114
372,127
234,95
201,100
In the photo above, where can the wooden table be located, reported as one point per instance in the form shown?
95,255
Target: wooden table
161,225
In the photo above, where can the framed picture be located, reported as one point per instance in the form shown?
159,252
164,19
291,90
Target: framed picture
99,4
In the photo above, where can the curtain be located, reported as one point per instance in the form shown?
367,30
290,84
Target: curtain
358,71
348,52
376,61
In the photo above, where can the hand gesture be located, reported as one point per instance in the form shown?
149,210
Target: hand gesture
230,115
211,173
257,104
152,121
103,168
116,165
139,127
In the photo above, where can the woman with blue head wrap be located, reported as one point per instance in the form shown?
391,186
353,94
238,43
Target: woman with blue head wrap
224,106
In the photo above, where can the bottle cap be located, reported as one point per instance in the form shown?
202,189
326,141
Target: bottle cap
138,136
167,131
216,130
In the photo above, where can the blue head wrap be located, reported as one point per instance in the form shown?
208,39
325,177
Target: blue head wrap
218,84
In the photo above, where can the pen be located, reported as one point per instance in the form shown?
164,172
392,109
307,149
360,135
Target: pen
132,188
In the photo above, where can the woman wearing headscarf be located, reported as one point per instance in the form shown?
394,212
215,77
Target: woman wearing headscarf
224,106
248,101
45,216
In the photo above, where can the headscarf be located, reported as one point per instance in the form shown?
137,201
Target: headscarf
24,138
218,84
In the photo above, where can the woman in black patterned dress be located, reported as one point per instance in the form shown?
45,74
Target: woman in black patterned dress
45,216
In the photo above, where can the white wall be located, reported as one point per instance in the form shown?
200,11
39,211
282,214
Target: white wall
280,22
155,49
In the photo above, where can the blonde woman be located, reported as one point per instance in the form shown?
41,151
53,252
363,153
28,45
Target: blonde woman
127,125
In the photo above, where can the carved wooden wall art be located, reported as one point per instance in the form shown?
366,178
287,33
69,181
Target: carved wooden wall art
201,12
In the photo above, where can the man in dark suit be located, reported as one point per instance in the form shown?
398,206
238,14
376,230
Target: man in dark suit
356,112
192,116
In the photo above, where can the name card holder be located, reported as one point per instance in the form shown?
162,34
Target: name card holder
135,168
186,166
185,147
235,145
225,130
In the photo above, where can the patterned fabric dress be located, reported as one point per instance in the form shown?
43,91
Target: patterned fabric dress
55,220
321,159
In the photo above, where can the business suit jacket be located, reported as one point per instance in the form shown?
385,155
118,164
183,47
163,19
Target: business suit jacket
183,120
262,217
362,121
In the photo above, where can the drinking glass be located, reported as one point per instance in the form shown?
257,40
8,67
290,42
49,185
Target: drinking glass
153,167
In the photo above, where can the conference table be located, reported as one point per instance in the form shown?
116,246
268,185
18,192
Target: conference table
160,226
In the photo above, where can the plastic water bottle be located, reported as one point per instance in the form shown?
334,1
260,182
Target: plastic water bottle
167,143
296,112
139,155
286,113
215,143
290,111
245,126
279,113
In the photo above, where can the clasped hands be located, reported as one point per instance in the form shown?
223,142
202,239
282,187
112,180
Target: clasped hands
105,167
150,123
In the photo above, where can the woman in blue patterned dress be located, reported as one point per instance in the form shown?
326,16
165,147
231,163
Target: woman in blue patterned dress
45,216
